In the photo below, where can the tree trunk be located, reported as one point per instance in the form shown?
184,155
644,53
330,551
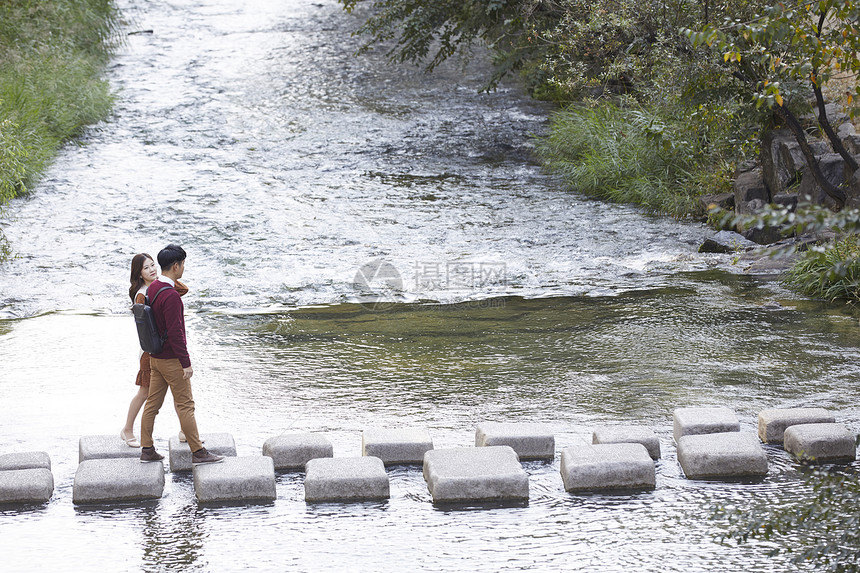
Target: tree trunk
828,129
834,192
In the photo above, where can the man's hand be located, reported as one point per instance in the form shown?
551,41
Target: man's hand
187,373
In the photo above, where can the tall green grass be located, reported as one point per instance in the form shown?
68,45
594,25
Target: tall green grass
830,273
631,155
52,55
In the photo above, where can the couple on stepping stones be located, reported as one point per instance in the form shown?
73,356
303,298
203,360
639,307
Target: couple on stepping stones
170,368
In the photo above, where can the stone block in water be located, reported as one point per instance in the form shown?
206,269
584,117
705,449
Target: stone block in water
346,479
773,422
722,455
628,435
246,478
117,479
104,447
180,452
607,466
821,443
528,440
694,421
396,446
30,485
491,473
293,451
25,461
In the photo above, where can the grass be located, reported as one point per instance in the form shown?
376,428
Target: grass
52,55
830,273
630,155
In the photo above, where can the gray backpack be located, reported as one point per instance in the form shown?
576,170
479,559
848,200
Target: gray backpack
147,331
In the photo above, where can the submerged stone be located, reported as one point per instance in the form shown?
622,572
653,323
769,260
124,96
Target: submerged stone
694,421
628,435
528,440
773,422
247,478
607,466
346,479
821,443
397,446
293,451
221,444
491,473
721,455
30,485
117,479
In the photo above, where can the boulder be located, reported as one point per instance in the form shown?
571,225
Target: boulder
607,466
104,447
485,474
30,485
749,186
247,478
25,461
396,446
834,170
691,421
773,421
721,455
726,242
221,444
628,435
821,443
293,451
346,479
117,479
528,440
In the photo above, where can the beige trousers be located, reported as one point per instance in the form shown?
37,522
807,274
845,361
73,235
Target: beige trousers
168,374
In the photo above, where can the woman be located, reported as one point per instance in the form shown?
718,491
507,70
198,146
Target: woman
143,272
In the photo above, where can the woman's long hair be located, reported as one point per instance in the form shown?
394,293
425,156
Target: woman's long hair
137,263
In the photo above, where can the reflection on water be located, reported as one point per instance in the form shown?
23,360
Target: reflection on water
248,132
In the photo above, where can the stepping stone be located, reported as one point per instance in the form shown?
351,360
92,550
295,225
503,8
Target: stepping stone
346,479
773,422
30,485
180,453
607,466
694,421
117,479
105,447
293,451
528,440
721,455
402,446
491,473
821,443
236,479
628,435
25,461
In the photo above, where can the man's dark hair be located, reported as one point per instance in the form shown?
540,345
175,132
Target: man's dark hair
170,255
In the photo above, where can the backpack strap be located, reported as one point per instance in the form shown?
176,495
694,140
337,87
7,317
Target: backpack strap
158,293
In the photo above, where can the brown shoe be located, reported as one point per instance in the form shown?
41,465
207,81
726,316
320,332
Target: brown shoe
203,456
150,455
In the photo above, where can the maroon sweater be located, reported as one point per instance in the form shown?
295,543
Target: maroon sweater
170,318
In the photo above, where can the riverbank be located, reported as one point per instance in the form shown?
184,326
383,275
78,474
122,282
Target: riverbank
52,58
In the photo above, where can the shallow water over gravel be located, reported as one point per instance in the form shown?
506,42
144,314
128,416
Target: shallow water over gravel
249,133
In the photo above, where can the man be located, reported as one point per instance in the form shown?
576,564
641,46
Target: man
172,366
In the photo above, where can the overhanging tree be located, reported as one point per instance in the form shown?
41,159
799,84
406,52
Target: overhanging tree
783,53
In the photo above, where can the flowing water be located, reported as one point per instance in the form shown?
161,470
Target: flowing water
303,182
